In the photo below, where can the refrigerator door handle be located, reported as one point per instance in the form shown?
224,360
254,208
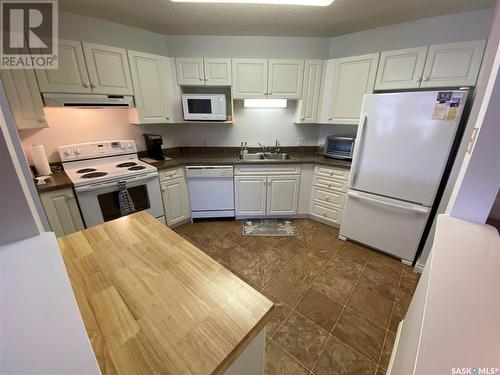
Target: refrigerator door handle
418,210
357,152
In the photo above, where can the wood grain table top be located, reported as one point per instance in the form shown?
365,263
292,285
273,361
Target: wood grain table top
154,303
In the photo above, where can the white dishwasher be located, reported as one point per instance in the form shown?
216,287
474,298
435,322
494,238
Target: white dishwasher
211,190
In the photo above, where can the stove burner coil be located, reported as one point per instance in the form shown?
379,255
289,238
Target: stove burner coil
136,168
127,164
94,174
86,170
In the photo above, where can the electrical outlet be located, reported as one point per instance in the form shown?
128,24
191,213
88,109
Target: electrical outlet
301,141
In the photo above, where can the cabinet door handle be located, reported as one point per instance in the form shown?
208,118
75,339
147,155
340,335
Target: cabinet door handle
418,79
86,85
270,93
206,79
92,85
303,118
426,78
201,78
265,92
41,120
167,118
330,118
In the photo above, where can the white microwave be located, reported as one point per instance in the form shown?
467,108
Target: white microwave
209,107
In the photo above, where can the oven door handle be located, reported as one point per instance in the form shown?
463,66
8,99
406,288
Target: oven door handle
106,184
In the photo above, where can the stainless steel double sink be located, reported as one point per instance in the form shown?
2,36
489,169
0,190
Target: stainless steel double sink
265,156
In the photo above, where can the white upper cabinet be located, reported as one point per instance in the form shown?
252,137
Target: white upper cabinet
190,71
149,78
310,91
217,71
108,69
353,78
24,98
401,69
453,64
250,78
71,75
325,115
282,195
285,78
194,71
262,78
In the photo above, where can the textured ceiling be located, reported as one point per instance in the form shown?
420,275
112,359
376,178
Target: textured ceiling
344,16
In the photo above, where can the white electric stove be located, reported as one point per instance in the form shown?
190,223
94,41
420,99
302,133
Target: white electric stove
95,168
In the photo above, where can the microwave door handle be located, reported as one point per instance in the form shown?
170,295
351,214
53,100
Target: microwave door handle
114,182
357,152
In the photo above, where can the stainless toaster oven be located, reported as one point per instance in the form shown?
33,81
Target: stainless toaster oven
339,147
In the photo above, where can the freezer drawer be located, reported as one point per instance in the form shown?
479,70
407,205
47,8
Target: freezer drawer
390,225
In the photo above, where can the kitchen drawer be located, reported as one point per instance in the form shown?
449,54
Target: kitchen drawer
330,184
337,173
171,173
330,198
326,213
265,170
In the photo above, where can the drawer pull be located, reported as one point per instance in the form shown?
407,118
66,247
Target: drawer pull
327,199
325,214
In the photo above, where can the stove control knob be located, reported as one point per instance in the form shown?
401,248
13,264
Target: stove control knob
122,146
68,152
129,146
78,151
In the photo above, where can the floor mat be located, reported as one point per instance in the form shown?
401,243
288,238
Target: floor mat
269,227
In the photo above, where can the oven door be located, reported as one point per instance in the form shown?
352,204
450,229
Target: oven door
99,202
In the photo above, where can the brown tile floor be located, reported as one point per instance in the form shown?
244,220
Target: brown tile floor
337,304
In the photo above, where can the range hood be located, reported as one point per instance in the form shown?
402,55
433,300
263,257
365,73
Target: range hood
88,101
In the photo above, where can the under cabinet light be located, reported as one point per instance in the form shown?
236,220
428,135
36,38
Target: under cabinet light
321,3
265,103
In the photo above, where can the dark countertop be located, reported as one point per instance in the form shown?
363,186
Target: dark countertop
209,156
58,180
216,156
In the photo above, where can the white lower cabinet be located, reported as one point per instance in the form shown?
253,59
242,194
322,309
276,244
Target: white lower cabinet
328,194
62,211
175,196
282,195
267,191
250,195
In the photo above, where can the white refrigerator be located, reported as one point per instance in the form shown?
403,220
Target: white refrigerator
402,147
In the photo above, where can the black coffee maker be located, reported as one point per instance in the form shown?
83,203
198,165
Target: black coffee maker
153,146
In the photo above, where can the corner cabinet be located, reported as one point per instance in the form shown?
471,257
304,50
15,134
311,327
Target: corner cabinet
62,211
262,78
175,196
24,98
85,68
353,78
151,79
71,75
203,71
345,83
308,106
